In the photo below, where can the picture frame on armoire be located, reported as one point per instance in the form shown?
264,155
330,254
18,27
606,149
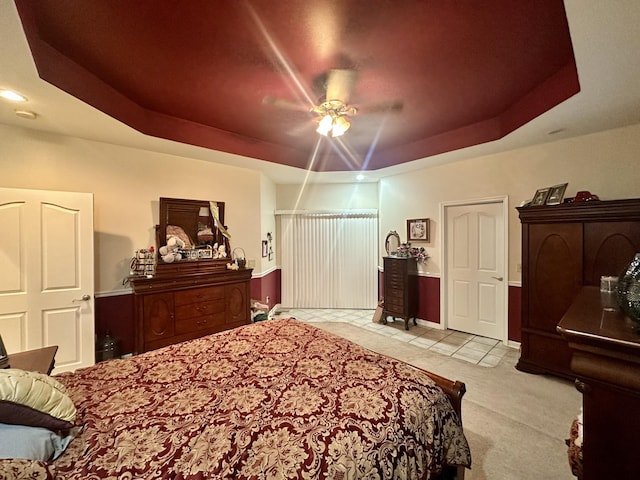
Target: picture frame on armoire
540,198
556,194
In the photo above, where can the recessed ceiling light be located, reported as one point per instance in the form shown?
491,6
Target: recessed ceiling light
12,96
28,114
360,177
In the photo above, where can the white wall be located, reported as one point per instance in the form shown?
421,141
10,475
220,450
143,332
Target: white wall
127,184
341,196
606,164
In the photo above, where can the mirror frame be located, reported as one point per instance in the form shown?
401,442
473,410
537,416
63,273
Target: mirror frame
392,235
184,213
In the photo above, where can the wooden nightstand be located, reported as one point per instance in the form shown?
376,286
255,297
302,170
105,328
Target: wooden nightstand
39,360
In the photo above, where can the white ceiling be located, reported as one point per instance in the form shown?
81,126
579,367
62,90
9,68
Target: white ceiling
606,42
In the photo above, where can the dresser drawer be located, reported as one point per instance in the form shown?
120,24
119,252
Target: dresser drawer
394,293
203,322
396,268
199,309
196,295
396,282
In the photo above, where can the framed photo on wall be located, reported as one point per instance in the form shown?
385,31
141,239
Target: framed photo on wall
418,230
265,248
556,194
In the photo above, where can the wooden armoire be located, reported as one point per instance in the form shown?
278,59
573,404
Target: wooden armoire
565,247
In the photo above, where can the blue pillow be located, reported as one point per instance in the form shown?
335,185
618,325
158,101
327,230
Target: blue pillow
31,443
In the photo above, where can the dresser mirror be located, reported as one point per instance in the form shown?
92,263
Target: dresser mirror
193,222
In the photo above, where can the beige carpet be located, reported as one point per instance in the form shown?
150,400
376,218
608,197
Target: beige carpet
515,422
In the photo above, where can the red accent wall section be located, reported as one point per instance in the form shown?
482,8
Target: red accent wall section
267,286
515,313
116,314
429,299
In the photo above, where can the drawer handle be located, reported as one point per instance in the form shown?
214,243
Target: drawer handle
201,322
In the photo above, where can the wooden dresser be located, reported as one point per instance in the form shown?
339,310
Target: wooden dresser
605,358
565,247
188,301
400,289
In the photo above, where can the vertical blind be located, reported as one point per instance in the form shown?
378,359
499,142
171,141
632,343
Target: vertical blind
329,260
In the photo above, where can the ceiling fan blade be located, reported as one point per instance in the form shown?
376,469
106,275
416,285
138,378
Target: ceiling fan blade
285,104
382,107
340,84
303,128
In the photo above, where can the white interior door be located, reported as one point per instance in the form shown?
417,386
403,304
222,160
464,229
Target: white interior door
475,254
46,284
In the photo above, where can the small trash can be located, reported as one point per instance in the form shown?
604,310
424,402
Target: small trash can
107,347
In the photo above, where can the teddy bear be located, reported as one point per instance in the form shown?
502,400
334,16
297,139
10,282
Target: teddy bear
171,251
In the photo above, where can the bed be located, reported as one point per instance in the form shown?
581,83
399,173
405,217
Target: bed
279,399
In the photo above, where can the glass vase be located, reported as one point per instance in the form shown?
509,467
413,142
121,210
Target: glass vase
629,290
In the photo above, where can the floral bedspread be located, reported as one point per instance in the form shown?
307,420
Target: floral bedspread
279,399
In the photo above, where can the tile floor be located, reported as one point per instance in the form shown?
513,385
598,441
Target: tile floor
483,351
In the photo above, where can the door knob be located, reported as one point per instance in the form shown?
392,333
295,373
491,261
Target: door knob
84,298
498,278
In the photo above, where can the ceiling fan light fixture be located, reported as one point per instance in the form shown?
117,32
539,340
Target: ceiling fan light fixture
340,126
325,125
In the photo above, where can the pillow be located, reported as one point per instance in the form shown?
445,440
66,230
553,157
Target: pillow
31,443
34,399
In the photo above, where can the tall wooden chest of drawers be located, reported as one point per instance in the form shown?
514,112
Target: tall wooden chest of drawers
400,289
189,304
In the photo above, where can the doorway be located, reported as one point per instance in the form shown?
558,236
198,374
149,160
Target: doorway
474,285
47,283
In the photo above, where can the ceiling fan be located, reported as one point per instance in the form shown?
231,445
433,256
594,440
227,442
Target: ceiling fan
333,110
